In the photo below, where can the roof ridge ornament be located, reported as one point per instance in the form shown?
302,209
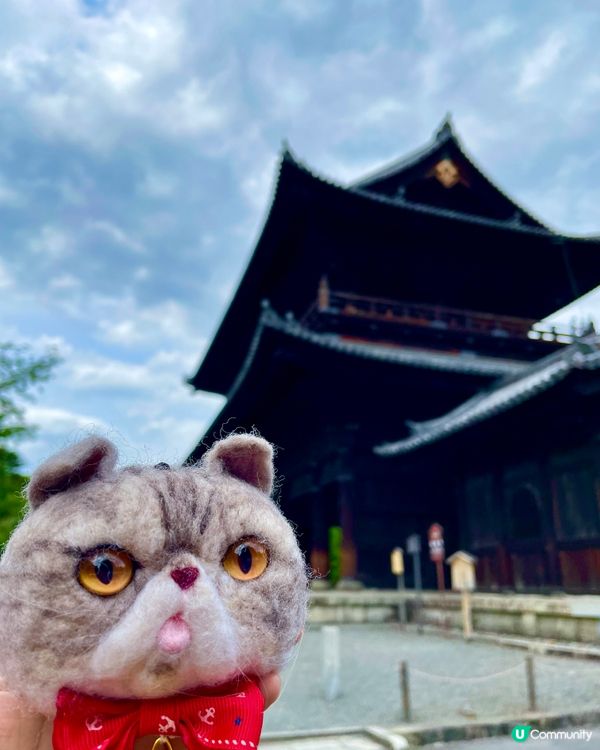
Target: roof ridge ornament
446,129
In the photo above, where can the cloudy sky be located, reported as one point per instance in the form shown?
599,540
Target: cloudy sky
138,142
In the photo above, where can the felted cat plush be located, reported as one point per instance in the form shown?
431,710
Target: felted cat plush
147,601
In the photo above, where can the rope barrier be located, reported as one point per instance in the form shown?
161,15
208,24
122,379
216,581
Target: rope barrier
577,666
480,678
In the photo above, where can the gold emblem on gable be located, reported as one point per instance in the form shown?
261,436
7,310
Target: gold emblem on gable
447,173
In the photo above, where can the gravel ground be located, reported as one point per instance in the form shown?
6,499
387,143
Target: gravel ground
449,679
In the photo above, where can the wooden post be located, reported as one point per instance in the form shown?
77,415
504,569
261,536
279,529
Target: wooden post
467,617
397,565
439,567
405,690
331,661
402,612
530,677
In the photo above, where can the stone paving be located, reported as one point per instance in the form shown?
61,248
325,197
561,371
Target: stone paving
449,680
325,743
506,743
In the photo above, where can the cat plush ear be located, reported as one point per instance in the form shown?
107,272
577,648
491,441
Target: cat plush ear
245,457
92,457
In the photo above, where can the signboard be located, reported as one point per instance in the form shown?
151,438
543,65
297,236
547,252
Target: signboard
462,571
413,547
435,535
397,561
413,544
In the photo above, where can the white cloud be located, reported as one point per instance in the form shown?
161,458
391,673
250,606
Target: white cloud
578,314
485,37
121,77
122,321
193,110
158,184
57,421
306,10
52,242
93,373
20,66
116,235
541,62
177,436
57,343
383,110
141,273
89,79
64,281
6,279
9,196
258,185
163,371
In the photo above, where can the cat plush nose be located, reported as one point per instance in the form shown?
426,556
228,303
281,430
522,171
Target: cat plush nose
185,577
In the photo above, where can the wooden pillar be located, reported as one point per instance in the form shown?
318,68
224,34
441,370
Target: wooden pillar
549,499
319,556
504,564
323,294
349,560
503,557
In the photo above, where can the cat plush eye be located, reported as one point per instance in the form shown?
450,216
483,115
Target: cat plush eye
106,571
246,560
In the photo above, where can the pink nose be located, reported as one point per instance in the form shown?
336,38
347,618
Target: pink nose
185,577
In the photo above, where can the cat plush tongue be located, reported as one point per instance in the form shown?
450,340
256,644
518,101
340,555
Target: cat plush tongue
174,636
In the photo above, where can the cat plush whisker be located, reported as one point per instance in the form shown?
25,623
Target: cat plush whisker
8,594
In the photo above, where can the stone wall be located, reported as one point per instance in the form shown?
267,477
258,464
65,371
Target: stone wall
368,605
556,617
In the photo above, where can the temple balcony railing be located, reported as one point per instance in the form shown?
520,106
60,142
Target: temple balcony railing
347,305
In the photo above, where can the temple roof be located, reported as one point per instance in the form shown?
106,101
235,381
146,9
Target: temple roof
445,175
381,244
262,365
459,362
508,393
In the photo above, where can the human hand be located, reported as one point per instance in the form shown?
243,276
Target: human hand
27,730
21,727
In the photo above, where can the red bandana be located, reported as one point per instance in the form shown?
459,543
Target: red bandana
224,721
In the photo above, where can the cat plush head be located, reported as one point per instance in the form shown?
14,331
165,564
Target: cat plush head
148,581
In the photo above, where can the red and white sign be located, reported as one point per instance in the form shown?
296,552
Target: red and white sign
435,535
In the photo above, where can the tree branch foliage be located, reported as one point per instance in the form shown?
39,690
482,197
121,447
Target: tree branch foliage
22,372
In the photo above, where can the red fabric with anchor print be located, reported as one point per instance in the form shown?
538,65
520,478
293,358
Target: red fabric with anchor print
228,717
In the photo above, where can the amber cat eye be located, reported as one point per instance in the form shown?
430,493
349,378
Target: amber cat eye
246,560
106,571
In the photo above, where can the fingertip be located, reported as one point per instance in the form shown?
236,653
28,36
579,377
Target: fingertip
270,685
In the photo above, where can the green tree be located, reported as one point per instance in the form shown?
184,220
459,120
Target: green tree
22,371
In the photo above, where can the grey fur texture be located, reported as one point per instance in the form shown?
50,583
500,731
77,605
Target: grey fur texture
56,633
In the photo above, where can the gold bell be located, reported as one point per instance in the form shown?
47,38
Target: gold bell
162,742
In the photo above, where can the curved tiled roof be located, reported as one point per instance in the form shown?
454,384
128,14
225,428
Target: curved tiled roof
563,267
535,378
473,364
443,136
428,209
468,364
